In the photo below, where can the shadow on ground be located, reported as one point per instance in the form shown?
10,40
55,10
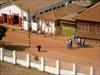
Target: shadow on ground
10,46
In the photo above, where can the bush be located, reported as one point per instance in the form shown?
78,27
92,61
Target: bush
3,30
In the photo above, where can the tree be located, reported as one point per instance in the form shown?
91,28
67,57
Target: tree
3,30
94,1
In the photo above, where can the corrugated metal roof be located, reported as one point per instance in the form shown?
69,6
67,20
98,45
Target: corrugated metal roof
63,13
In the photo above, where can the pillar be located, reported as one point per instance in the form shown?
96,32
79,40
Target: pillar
1,54
74,69
91,70
14,57
28,60
57,67
42,64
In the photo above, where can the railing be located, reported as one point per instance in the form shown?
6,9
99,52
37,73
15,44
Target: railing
45,64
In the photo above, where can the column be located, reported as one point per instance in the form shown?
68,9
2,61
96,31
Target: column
14,57
74,69
1,54
28,60
91,70
57,67
42,64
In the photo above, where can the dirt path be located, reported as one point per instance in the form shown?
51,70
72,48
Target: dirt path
54,48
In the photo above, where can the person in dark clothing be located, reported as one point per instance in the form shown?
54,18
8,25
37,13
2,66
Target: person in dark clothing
39,48
69,43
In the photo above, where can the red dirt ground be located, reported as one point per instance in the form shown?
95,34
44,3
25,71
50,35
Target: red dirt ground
54,47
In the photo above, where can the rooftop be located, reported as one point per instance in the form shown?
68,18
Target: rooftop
91,14
84,3
66,13
34,5
3,1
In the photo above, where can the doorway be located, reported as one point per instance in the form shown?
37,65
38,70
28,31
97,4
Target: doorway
15,19
4,18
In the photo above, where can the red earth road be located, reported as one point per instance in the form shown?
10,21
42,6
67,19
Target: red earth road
54,47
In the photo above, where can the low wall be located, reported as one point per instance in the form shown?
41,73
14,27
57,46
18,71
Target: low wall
40,64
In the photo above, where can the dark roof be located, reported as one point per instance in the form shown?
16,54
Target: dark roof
91,14
66,13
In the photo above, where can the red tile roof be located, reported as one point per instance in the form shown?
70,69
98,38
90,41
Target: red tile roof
91,14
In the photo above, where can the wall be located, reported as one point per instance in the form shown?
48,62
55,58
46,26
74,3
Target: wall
48,29
11,10
34,26
26,60
91,35
68,28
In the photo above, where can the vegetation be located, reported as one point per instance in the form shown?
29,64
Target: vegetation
68,31
3,30
94,1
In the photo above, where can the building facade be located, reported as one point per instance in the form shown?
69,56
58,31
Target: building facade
88,24
24,13
55,21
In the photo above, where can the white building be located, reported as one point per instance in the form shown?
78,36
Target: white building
23,13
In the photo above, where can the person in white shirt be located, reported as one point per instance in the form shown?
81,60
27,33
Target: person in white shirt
79,42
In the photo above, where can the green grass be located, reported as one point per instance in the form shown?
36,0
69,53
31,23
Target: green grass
68,31
35,69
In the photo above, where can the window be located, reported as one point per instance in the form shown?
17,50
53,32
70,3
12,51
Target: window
97,29
54,8
62,5
46,11
50,9
41,12
83,27
58,6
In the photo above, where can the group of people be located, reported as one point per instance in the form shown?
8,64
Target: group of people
80,42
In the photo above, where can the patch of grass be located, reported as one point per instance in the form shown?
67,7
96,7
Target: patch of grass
68,31
34,69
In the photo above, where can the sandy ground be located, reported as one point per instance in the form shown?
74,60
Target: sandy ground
53,47
9,69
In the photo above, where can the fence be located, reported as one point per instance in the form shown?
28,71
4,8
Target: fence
44,64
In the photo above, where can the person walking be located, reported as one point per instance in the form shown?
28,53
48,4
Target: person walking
79,42
67,43
83,42
39,48
70,43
